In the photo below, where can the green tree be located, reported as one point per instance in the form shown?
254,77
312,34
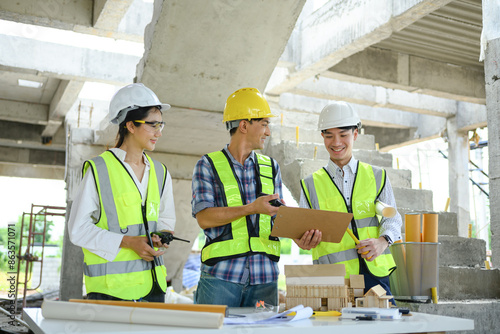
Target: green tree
37,227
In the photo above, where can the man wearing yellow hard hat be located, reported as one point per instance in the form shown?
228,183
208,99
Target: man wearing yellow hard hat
232,189
349,185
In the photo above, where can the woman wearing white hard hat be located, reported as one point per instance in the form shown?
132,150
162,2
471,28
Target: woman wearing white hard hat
124,196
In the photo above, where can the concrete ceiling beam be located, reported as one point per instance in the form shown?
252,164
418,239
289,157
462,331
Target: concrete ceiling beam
183,130
26,135
395,70
61,14
30,144
425,126
99,17
62,101
32,171
345,28
24,112
107,14
31,156
369,115
196,73
471,116
67,62
376,96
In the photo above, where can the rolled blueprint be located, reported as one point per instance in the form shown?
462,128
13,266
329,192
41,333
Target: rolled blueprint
430,227
384,210
131,315
166,306
412,227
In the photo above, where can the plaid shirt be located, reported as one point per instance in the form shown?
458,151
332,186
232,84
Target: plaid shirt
256,268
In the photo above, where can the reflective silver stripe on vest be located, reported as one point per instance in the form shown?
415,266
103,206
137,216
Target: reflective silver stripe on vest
108,202
107,195
309,182
378,172
122,267
159,174
137,229
345,255
367,222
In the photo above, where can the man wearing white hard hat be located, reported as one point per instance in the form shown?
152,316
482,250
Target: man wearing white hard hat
124,196
348,185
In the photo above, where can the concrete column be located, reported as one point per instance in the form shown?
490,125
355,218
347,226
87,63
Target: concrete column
458,156
71,281
186,227
492,78
480,199
78,150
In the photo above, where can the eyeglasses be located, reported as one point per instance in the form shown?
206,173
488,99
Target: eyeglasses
157,126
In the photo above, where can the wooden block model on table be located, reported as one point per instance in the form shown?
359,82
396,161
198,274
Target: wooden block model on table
375,297
321,287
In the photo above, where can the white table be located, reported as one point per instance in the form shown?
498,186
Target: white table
417,323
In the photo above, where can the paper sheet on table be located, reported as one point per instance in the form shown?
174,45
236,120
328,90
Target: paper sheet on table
301,312
129,315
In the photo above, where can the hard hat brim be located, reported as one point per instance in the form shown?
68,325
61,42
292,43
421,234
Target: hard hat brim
123,113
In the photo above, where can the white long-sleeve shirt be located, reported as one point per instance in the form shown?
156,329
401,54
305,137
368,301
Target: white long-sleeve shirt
344,180
85,212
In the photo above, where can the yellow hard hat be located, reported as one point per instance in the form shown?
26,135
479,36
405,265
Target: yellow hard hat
246,103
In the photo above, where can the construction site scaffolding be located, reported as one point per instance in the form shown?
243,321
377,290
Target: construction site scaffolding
37,227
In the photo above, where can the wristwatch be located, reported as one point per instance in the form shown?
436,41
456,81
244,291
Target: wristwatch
389,241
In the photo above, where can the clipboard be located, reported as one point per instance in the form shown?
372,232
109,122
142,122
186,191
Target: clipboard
293,222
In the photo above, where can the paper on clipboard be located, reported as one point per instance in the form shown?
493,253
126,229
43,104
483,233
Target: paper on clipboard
293,222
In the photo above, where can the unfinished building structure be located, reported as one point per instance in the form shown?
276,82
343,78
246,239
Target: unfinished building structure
410,67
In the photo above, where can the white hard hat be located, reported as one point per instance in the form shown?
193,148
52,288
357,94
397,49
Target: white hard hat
131,97
338,115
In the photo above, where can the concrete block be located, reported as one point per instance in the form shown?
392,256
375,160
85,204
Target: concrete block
447,221
292,174
373,157
48,279
312,135
415,199
287,151
365,142
483,312
459,251
280,132
400,178
468,283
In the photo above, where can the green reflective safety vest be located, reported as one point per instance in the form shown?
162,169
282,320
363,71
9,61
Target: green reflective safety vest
128,276
240,237
322,193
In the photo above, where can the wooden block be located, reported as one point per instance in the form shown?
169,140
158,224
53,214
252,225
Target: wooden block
383,303
314,303
291,302
377,290
315,280
315,270
357,281
358,292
